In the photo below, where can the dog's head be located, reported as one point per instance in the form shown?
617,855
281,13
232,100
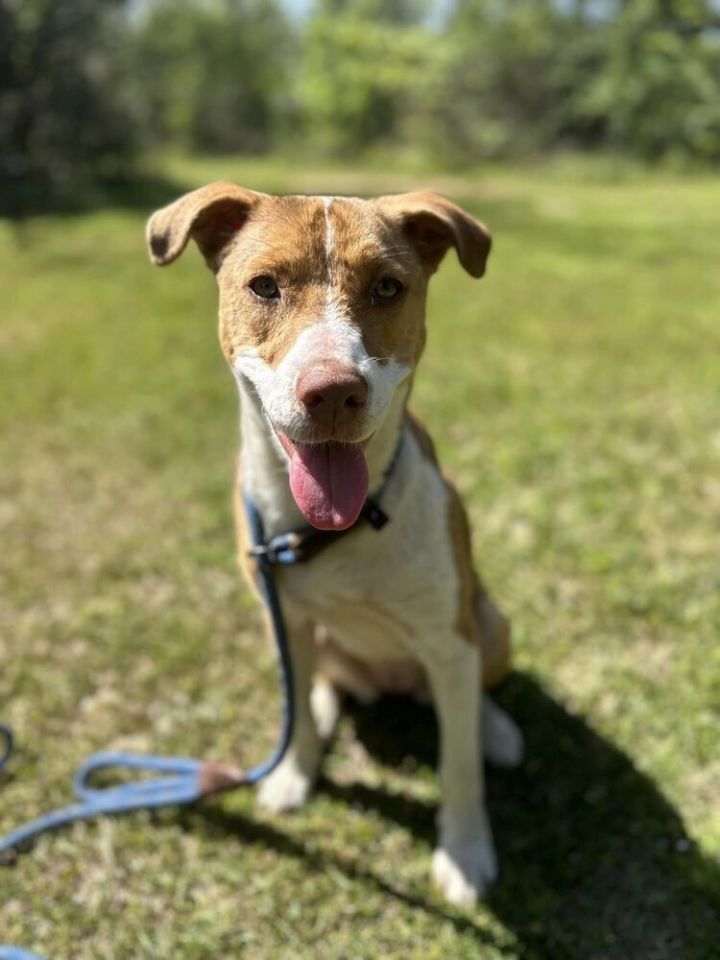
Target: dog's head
322,314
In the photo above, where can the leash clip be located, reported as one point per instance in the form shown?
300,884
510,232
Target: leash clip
374,514
284,549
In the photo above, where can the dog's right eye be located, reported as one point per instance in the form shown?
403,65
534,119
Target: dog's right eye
387,290
265,287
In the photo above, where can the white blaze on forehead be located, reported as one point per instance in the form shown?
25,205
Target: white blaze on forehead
329,233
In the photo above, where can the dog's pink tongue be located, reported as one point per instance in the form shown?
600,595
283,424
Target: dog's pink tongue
329,482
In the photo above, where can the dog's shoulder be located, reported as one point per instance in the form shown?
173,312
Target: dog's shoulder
478,619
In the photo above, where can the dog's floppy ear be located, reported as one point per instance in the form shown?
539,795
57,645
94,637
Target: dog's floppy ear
211,215
434,224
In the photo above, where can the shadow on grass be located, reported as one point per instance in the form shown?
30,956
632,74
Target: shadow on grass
253,832
596,864
595,861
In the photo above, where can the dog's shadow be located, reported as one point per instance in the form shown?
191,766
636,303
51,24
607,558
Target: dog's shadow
596,863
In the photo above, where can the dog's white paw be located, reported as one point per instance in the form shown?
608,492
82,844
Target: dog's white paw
286,788
464,869
503,744
325,706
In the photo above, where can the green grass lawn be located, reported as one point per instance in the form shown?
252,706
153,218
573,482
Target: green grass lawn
575,395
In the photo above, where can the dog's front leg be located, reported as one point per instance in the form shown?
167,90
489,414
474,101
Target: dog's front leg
464,860
289,785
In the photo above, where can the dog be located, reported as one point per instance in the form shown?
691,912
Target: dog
322,321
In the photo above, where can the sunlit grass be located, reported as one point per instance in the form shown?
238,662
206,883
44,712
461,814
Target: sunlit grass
574,395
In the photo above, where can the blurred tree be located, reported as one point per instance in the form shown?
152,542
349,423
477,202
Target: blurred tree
509,69
66,114
658,92
85,83
216,75
364,64
531,75
408,12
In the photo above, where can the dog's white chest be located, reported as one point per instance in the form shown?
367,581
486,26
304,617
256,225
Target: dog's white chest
382,594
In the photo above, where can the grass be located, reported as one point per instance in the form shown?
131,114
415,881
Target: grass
574,394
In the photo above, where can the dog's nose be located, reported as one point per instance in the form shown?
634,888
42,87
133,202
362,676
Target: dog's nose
333,395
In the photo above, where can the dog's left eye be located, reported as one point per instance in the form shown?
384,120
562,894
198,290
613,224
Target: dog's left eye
387,289
264,287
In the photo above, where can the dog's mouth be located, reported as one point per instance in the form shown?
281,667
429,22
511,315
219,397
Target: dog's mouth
329,481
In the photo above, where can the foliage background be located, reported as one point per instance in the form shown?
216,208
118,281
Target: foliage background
85,85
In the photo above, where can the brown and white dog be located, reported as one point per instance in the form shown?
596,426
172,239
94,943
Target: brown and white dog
322,320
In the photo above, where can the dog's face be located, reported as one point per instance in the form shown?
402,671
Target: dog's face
322,315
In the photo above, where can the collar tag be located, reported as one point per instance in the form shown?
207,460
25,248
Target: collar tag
374,515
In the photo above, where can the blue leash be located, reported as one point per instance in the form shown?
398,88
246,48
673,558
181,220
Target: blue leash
15,953
183,780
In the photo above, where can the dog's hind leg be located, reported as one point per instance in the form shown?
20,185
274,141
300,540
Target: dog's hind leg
494,636
502,740
326,705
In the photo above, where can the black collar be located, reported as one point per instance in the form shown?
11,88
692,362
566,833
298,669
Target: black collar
296,546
